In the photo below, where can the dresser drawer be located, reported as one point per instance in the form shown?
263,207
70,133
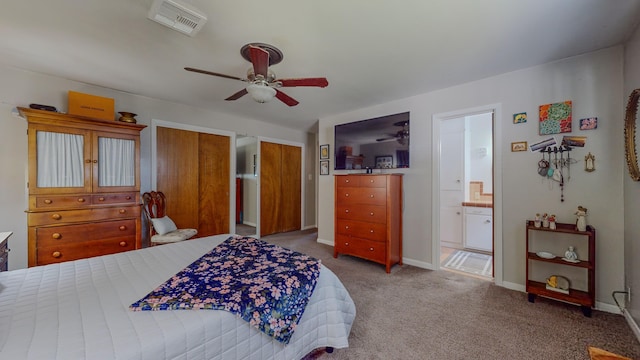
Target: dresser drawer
372,196
82,215
347,181
367,213
60,253
361,229
59,201
375,181
120,198
371,250
67,234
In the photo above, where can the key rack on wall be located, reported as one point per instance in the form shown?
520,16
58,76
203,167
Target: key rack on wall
556,169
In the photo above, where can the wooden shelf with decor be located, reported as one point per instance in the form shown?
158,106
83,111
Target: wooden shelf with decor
538,237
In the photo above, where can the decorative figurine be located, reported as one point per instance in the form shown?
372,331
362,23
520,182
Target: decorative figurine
537,222
545,220
581,222
552,222
570,254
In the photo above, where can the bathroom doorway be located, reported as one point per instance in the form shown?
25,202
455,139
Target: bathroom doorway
465,192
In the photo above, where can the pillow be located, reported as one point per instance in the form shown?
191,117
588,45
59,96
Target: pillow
163,225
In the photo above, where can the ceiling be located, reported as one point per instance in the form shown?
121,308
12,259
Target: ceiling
371,51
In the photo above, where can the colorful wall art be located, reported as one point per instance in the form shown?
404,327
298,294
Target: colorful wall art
555,118
589,123
520,118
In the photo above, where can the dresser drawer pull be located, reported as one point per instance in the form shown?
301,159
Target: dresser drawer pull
370,249
371,231
346,195
371,196
371,214
123,243
122,211
101,198
88,161
346,181
128,197
56,236
346,244
346,227
56,254
81,200
95,161
56,216
347,211
371,181
48,201
122,228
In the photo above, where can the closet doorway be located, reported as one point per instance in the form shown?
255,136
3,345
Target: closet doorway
464,193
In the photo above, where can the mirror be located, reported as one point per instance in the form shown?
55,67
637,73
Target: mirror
246,185
630,122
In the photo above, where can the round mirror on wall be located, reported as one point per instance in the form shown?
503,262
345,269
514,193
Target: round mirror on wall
630,124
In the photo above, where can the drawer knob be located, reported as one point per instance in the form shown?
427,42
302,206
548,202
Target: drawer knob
56,254
48,201
122,227
371,181
346,181
123,243
101,198
370,249
346,227
88,161
81,200
56,216
346,244
371,196
128,197
347,194
371,231
122,211
56,236
347,211
95,161
371,214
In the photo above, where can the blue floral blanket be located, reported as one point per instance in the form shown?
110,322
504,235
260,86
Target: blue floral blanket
265,284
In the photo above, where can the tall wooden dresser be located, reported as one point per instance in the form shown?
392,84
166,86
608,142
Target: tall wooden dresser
84,187
368,217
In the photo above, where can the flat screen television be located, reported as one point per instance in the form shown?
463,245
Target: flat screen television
378,143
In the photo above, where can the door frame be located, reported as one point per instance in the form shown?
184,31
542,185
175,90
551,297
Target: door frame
302,171
436,119
232,164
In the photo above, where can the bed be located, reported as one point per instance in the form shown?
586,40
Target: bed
80,310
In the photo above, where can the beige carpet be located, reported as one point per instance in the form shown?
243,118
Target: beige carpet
414,313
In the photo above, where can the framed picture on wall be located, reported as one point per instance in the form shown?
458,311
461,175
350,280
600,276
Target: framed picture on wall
324,167
324,152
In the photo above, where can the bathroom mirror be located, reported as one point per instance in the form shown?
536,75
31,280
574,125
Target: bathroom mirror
630,124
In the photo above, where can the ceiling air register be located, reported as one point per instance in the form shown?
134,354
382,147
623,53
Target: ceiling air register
177,16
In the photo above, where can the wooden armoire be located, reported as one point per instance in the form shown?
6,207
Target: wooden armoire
280,188
84,187
193,171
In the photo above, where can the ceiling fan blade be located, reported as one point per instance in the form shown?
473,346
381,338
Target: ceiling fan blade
319,82
237,95
260,60
385,139
213,73
286,98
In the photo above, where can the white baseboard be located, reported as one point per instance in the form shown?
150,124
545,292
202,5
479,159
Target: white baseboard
418,263
326,242
632,323
309,227
249,223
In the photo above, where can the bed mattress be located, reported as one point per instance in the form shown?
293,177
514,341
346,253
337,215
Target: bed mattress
80,310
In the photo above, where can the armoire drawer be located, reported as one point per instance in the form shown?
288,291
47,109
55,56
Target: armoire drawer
367,213
59,201
81,215
372,196
68,234
60,253
371,250
116,198
361,229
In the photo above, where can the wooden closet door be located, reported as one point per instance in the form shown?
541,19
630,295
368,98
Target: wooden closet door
177,174
280,188
270,188
290,188
214,189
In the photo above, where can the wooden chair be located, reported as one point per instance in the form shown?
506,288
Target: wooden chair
162,230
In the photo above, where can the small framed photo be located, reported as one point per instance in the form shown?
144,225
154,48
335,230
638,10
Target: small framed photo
324,152
384,162
520,118
518,146
324,167
589,123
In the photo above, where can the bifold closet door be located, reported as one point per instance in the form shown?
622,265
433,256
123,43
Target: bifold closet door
193,172
280,188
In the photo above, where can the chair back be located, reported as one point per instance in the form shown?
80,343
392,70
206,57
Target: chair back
154,204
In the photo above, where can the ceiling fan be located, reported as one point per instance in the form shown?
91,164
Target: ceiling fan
263,84
401,136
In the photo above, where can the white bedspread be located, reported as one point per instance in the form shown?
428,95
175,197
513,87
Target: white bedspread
80,310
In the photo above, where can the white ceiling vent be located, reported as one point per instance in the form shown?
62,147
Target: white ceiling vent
178,16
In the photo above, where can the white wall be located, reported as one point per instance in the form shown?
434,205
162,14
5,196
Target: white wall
594,83
632,188
21,88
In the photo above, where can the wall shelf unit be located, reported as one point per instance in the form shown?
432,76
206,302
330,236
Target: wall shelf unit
581,274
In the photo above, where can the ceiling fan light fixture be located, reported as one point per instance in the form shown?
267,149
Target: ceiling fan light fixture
261,93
